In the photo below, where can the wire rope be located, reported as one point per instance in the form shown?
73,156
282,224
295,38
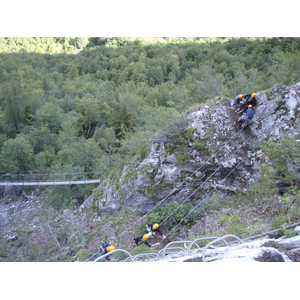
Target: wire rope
204,182
209,193
161,201
206,196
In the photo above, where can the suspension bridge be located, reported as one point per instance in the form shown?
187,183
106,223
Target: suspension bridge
39,183
35,179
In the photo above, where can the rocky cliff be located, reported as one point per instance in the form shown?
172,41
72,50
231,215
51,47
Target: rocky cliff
207,156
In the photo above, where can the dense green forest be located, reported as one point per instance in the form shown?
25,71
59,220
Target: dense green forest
76,108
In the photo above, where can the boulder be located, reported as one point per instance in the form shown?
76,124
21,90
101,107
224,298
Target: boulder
290,243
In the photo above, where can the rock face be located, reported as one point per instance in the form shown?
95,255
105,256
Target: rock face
215,148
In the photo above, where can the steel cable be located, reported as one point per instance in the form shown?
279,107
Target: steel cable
205,182
160,202
207,195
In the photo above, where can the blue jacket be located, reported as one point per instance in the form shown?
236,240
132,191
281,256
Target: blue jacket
250,113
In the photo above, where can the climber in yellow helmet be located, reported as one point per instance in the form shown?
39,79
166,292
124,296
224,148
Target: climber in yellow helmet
153,229
246,117
251,100
143,240
105,248
236,101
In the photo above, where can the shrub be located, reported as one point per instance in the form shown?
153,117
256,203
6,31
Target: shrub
285,156
279,221
83,254
288,233
171,218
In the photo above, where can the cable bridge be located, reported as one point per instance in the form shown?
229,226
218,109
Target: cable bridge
40,179
69,182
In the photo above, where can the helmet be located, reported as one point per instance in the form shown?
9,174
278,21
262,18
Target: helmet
253,95
155,226
240,96
145,237
111,248
249,105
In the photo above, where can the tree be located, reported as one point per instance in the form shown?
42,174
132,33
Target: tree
44,159
16,155
51,115
106,138
40,137
61,196
82,153
13,104
73,73
88,108
121,119
68,133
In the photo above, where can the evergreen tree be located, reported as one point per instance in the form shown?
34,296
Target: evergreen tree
16,155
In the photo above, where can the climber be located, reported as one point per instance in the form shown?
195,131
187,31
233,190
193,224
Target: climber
250,100
236,101
246,117
241,102
105,248
253,101
153,230
143,240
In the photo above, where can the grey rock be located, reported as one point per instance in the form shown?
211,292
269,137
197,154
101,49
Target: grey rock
158,173
290,243
297,229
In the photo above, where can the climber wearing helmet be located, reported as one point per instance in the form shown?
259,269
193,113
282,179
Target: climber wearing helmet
242,102
246,117
238,101
253,101
105,248
250,100
143,240
153,230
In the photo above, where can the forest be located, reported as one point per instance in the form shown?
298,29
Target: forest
80,107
